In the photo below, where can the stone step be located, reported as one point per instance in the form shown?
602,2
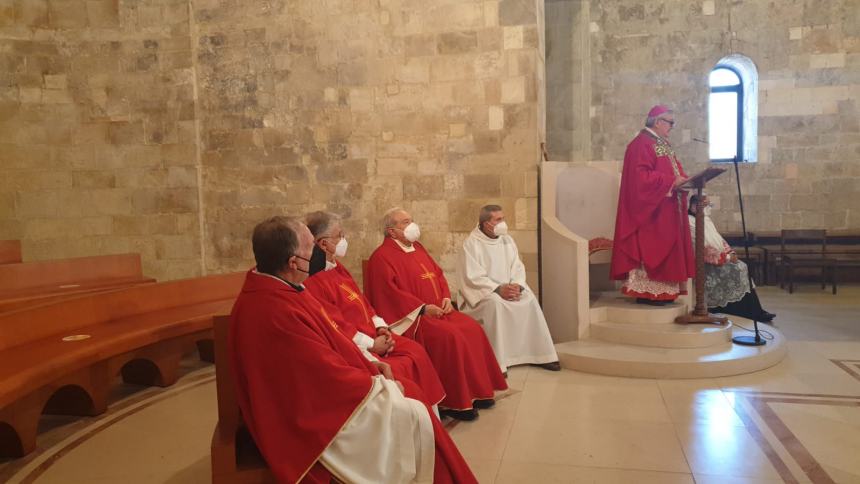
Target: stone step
626,310
662,335
606,358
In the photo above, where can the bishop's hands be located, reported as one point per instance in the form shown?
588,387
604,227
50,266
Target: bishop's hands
679,180
385,369
509,292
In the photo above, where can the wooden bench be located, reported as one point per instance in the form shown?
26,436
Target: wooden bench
63,358
10,251
235,457
26,284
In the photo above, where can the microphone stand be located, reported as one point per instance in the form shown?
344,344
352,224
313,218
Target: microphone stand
756,340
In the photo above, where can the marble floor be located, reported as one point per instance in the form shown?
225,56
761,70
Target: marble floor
798,421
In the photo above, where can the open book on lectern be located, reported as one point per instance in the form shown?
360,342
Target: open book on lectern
699,179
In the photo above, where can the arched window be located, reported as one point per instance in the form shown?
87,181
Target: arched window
733,110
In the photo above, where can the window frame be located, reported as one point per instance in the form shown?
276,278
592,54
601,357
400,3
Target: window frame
739,90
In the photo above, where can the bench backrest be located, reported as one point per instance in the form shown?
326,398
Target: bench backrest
30,324
788,237
228,407
25,275
10,251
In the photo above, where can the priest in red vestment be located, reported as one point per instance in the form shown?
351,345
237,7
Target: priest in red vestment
331,282
408,289
652,251
316,407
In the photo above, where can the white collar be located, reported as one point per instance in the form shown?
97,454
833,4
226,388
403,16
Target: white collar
329,265
482,237
277,279
406,248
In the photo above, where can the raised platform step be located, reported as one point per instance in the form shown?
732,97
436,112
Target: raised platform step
662,335
602,357
614,307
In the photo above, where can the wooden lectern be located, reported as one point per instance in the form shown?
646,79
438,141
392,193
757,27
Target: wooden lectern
700,313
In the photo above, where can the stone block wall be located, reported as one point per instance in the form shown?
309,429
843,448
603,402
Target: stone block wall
609,61
359,106
97,131
171,127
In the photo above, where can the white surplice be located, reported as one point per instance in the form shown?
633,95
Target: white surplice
388,439
517,330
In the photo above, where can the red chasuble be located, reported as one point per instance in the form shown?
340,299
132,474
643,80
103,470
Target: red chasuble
408,359
651,229
398,283
299,381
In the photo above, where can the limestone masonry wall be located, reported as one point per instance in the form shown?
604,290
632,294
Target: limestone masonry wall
608,61
171,127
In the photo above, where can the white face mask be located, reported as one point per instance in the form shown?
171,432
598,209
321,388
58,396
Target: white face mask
501,228
340,248
412,232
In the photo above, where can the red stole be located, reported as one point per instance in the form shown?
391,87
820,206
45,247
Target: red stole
651,229
298,379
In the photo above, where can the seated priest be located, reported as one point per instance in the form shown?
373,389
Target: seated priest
409,291
727,282
492,281
330,282
317,408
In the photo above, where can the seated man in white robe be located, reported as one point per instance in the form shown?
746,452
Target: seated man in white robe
493,287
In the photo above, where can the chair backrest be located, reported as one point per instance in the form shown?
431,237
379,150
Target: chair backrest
807,236
10,251
364,263
228,407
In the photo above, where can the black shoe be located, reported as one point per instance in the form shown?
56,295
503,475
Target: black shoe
484,404
464,415
554,366
766,316
651,302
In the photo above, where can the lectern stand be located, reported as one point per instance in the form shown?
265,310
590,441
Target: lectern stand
700,313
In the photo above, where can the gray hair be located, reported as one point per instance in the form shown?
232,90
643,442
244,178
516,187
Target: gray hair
487,213
388,219
320,222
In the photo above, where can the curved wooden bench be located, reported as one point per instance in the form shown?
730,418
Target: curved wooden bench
28,284
140,333
10,251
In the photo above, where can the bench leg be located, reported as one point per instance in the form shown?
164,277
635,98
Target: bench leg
780,275
833,275
206,350
19,425
790,275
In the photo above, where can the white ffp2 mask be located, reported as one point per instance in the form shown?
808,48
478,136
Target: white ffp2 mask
412,232
340,248
501,228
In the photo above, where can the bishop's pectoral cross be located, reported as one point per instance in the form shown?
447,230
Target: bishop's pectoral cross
353,296
431,277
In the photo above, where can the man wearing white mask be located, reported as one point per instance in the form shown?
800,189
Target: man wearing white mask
493,284
408,289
